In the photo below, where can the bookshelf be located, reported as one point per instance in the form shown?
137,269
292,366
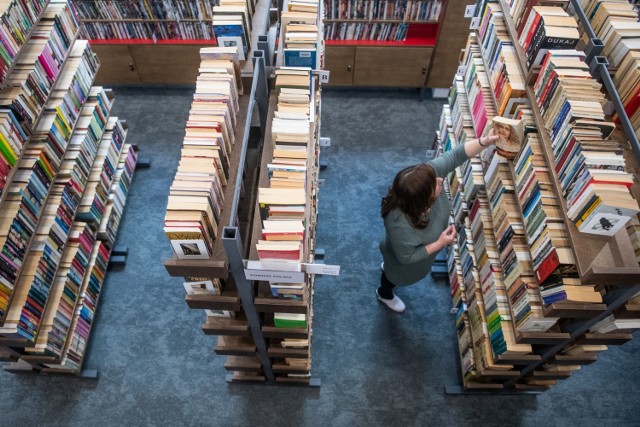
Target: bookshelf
382,43
251,331
72,151
134,39
573,333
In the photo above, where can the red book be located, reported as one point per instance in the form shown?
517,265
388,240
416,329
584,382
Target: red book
548,266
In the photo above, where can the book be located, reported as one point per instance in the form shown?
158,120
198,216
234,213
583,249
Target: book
511,135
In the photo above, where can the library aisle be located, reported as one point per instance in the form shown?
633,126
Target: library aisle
376,367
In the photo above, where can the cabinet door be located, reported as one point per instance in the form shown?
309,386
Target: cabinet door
339,60
391,66
116,65
177,64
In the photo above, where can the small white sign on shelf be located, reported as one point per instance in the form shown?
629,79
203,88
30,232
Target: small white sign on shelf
330,270
431,154
470,10
461,70
324,76
475,23
275,276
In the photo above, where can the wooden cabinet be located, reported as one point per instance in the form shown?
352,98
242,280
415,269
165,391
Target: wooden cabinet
116,65
378,65
340,61
148,63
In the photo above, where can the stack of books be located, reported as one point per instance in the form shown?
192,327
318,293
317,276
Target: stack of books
31,186
196,197
616,24
478,88
547,27
300,34
589,167
500,56
232,25
18,19
37,69
543,219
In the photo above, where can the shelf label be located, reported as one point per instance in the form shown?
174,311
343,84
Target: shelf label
431,154
470,10
330,270
461,70
275,276
324,76
475,23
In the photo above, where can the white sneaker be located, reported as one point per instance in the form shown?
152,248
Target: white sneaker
395,304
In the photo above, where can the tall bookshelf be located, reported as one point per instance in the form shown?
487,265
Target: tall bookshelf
248,333
386,43
69,182
499,351
135,39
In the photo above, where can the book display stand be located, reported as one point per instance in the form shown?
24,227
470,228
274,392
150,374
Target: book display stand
498,354
260,347
63,198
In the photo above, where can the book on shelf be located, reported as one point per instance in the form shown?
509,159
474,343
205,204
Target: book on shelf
290,320
511,135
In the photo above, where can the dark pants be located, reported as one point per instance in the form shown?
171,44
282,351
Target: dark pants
386,287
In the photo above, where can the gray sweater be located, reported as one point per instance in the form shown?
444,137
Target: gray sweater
403,246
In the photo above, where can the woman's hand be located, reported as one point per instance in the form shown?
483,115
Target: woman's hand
490,139
448,236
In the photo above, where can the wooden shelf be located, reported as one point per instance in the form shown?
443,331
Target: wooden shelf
551,375
235,346
271,305
574,310
226,326
518,359
247,377
568,359
275,332
283,368
541,337
496,374
616,338
297,353
217,265
476,386
243,363
629,311
213,302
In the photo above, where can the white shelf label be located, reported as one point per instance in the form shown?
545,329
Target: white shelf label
461,70
275,276
470,10
324,76
431,154
330,270
475,23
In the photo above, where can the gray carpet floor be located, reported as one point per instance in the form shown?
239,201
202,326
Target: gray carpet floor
376,367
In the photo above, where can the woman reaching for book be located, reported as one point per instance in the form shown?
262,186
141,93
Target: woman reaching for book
416,216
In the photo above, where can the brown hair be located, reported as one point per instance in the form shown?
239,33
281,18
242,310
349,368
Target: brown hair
412,192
